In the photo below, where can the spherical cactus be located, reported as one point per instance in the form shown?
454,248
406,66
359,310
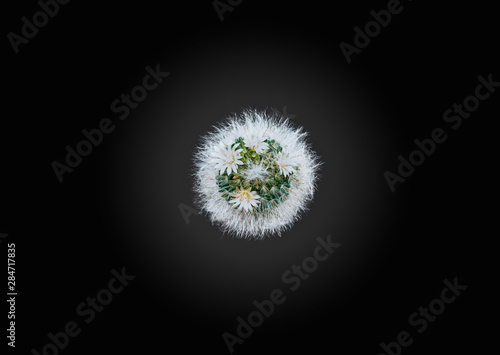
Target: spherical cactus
255,174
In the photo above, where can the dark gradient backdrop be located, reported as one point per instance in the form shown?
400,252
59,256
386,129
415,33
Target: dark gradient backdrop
151,165
120,206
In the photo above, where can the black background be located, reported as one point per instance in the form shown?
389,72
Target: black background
120,206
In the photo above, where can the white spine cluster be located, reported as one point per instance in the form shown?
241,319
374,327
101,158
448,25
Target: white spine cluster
296,161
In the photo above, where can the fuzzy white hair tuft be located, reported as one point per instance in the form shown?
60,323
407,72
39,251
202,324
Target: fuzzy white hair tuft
256,225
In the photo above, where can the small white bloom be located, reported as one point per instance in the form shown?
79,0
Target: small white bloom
285,163
245,199
256,142
226,158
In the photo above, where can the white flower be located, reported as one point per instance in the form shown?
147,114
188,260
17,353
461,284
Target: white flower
285,163
245,199
256,142
226,158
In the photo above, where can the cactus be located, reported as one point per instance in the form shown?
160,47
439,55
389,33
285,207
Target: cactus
255,174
